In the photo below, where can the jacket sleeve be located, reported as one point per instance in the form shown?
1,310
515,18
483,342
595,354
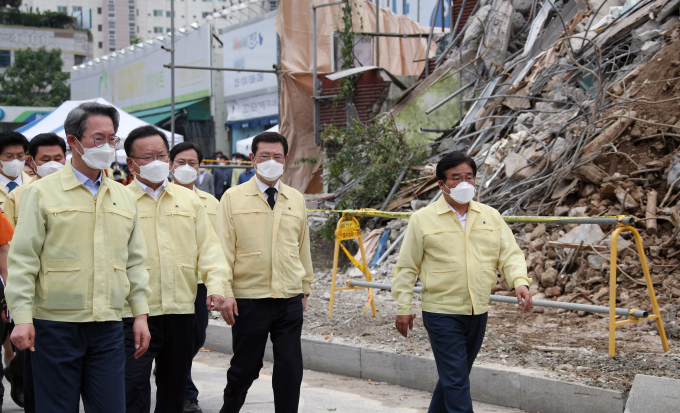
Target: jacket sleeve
227,237
136,271
306,256
511,262
408,267
24,258
211,262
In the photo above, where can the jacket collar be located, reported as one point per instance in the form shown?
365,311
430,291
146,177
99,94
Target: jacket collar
443,206
138,192
70,181
253,189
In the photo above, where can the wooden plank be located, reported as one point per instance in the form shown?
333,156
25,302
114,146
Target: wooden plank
589,247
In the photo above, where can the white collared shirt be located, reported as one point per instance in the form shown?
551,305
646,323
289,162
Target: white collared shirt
93,187
5,180
461,218
154,194
201,175
263,187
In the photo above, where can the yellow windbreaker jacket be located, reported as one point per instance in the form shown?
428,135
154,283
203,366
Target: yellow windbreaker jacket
181,244
74,257
267,250
457,267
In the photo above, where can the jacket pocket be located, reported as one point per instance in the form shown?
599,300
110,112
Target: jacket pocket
65,285
119,285
251,269
447,287
186,280
289,229
120,227
292,270
154,281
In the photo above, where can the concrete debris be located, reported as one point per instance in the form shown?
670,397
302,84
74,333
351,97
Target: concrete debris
587,233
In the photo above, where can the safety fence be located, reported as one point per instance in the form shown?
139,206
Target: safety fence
348,228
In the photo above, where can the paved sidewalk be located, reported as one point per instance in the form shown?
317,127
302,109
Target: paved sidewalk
321,392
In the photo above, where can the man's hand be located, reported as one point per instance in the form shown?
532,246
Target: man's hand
229,310
304,302
404,323
214,302
522,292
23,336
142,336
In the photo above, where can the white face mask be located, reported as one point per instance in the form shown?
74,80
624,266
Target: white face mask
98,158
463,193
270,170
154,172
13,168
185,174
48,168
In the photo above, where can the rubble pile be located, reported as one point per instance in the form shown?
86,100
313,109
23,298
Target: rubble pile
573,110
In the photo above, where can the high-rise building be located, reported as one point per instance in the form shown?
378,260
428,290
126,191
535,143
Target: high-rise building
116,23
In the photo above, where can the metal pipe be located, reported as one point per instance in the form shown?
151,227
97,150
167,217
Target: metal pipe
393,190
539,303
451,96
315,80
429,39
227,69
460,16
172,74
574,220
377,30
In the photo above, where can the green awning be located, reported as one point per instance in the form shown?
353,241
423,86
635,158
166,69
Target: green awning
159,114
154,119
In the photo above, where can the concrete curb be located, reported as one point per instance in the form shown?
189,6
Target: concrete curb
654,394
504,387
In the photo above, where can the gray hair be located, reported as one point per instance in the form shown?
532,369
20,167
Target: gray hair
76,121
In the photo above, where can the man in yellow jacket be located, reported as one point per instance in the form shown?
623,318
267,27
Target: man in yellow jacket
76,257
262,225
455,246
185,159
13,148
47,154
181,245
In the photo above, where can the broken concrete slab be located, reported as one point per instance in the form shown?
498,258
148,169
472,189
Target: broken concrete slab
514,162
586,233
590,173
497,36
653,394
630,202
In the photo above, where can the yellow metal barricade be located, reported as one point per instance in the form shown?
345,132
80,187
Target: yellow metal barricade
348,228
650,289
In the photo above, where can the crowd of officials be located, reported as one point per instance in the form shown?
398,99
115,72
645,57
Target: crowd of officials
108,269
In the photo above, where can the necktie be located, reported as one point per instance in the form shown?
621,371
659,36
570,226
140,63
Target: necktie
11,185
270,196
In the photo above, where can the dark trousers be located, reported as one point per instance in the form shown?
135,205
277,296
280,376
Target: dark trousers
201,314
281,319
79,359
29,394
455,340
172,344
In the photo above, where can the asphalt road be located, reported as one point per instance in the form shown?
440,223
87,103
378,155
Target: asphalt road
321,392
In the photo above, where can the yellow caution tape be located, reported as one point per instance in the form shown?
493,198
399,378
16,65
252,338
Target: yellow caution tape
406,215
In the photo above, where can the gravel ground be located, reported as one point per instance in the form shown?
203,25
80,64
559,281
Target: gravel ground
553,343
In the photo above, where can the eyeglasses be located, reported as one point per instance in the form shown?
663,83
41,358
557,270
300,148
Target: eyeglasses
100,141
182,162
265,158
457,180
161,157
10,157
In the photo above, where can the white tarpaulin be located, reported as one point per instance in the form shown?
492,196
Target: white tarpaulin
245,145
54,122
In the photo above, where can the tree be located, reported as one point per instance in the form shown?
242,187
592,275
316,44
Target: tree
10,3
35,79
135,40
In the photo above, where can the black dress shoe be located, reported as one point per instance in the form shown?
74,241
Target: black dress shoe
191,406
16,388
